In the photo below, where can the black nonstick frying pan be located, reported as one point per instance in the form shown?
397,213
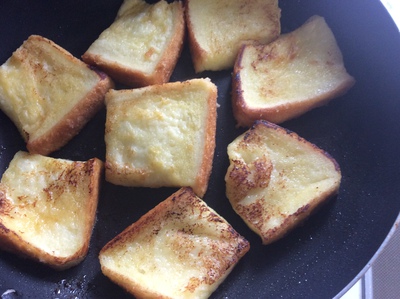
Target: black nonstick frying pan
361,130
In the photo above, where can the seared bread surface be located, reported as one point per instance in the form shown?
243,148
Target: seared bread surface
290,76
141,47
48,208
49,94
216,29
161,135
179,249
276,179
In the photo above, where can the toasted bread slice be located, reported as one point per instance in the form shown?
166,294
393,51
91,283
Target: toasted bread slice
297,72
276,179
143,44
161,135
216,29
179,249
48,208
49,94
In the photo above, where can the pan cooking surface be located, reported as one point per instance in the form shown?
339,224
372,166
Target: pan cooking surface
360,130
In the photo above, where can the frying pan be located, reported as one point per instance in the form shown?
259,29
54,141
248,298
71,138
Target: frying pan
360,130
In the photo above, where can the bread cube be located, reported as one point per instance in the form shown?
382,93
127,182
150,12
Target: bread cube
142,46
276,179
161,135
49,94
179,249
48,207
299,71
216,29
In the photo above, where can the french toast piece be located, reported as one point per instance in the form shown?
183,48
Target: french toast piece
297,72
143,44
49,94
276,179
48,208
179,249
161,135
216,29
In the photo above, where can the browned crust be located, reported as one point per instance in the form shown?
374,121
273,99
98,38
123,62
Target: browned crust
291,221
246,115
201,182
72,123
163,70
294,220
197,52
12,242
176,206
302,213
115,174
77,117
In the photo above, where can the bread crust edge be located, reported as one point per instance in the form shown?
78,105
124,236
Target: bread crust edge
197,52
246,115
162,71
203,177
186,196
72,123
11,242
293,220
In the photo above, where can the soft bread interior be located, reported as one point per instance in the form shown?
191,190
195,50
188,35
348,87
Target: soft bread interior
40,83
162,135
218,28
276,178
304,65
48,206
139,35
179,249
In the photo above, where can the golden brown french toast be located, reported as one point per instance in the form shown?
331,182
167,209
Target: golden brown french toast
161,135
49,94
216,29
48,208
179,249
282,80
276,179
142,46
